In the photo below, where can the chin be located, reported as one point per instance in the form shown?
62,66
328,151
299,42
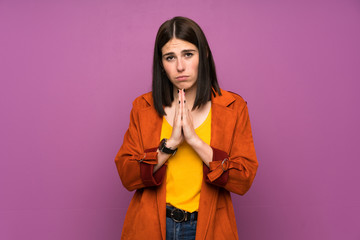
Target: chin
184,86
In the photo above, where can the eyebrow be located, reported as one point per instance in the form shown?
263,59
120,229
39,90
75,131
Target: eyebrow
183,51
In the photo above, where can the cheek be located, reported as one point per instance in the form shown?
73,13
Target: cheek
195,67
168,72
167,68
195,63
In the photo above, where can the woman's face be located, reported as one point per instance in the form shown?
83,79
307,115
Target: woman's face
181,60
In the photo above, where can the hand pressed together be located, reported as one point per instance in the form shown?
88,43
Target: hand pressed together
183,130
183,127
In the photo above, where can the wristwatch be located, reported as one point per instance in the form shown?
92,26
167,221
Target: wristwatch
164,149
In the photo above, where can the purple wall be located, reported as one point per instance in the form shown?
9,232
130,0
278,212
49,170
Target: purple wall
69,71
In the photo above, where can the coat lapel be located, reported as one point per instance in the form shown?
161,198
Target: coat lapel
150,124
150,127
223,120
150,130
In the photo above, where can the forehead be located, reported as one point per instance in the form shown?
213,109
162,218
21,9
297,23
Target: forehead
177,45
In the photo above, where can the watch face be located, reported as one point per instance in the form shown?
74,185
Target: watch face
162,144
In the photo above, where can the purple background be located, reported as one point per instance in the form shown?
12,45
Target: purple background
70,70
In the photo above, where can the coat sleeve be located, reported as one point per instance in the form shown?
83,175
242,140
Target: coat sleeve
235,171
134,164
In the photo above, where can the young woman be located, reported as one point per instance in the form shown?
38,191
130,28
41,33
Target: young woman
189,144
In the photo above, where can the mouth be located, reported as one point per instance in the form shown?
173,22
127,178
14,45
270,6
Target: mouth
182,78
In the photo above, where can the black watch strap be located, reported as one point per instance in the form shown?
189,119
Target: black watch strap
164,149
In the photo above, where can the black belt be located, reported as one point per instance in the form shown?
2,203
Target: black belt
179,215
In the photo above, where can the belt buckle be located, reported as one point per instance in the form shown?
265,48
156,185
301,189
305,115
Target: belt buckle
179,211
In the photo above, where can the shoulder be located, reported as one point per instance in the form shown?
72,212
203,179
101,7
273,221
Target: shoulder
234,95
228,98
143,101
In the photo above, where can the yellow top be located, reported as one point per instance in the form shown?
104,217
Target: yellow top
185,170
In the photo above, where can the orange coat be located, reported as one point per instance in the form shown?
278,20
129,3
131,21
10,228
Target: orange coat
233,169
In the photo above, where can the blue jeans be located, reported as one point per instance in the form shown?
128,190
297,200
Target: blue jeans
180,231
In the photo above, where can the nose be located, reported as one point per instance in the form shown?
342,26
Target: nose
180,65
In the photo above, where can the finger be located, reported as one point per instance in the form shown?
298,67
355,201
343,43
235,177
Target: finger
187,118
186,112
184,98
176,134
181,103
190,115
177,104
177,116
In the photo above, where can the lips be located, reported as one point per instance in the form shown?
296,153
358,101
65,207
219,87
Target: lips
182,78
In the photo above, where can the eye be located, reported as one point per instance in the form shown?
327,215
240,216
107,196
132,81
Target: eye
189,54
169,58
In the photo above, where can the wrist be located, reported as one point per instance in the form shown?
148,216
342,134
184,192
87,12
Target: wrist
165,148
172,144
196,142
